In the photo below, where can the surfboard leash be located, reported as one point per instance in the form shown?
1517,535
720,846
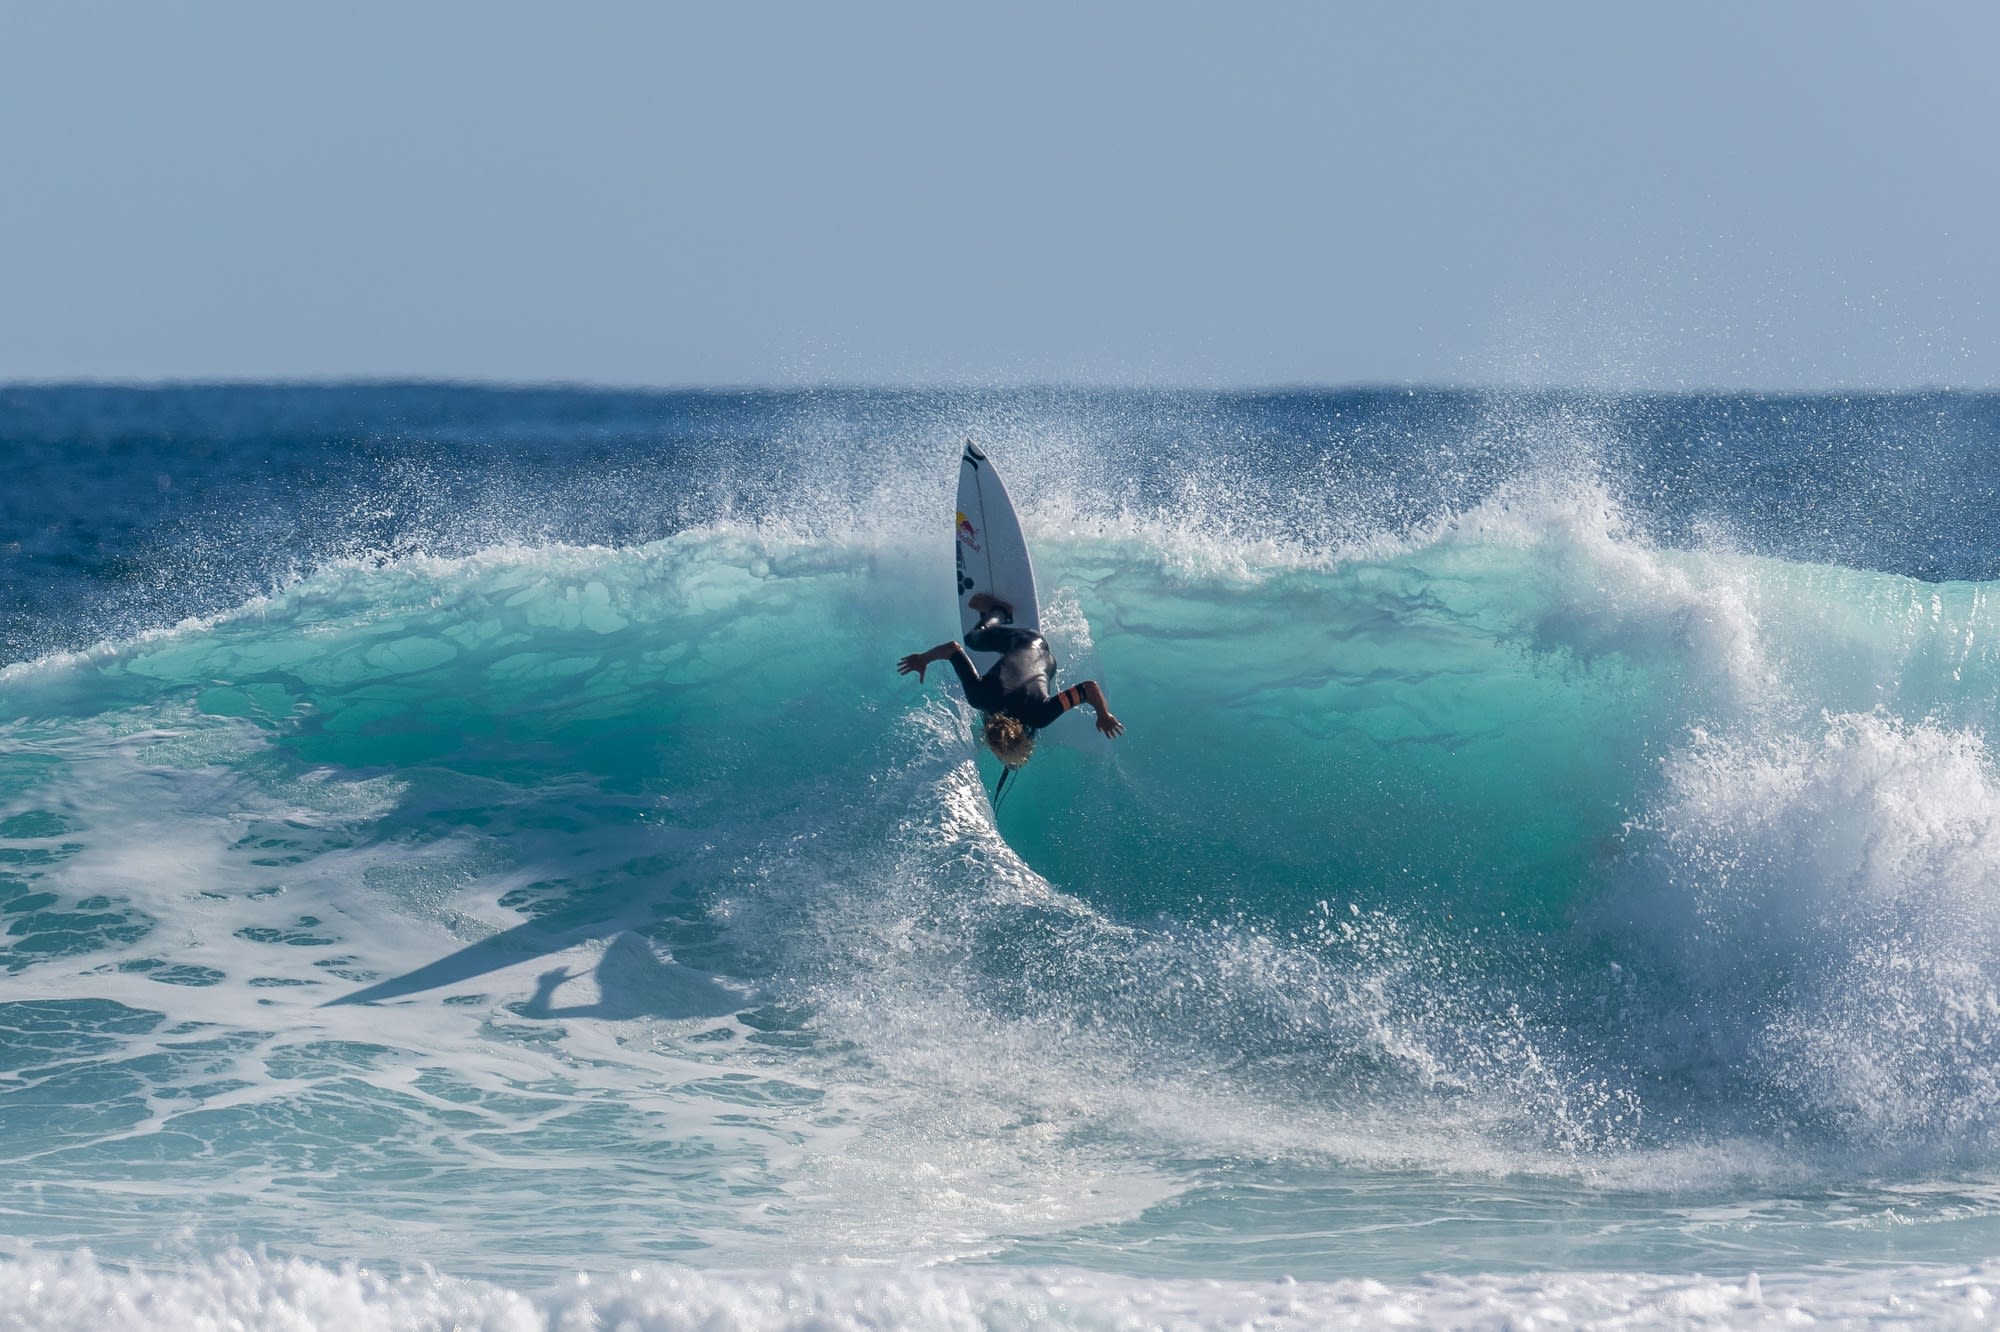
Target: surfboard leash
1000,787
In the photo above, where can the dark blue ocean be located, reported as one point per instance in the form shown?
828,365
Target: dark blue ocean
467,859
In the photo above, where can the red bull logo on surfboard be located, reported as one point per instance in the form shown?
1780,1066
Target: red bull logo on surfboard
966,531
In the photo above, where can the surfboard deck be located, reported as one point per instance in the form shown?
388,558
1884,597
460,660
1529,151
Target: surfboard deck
992,555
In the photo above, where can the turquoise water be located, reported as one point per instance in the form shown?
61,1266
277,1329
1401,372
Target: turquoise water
1546,900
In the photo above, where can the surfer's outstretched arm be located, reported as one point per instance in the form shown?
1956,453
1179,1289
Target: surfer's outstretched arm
1090,692
914,664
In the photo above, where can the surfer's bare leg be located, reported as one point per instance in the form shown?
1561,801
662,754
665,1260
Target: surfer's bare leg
984,603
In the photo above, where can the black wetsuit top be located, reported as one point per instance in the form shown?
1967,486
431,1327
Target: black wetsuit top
1018,684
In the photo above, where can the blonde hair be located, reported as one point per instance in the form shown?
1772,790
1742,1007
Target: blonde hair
1011,742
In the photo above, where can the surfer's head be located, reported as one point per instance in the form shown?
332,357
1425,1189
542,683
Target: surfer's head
1010,741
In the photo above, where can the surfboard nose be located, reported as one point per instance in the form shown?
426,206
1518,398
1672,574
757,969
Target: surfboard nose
972,454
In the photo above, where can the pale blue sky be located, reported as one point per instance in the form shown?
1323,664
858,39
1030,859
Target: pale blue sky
1779,195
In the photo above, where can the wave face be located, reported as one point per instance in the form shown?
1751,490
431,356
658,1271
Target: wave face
1548,834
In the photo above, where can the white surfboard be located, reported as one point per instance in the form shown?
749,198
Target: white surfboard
992,554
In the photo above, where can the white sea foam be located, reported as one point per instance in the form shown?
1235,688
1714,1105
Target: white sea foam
1840,892
257,1294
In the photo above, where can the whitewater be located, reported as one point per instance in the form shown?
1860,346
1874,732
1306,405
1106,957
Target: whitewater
467,859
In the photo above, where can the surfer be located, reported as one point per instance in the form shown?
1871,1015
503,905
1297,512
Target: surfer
1014,695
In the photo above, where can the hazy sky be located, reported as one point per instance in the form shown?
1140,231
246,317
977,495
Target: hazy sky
1778,195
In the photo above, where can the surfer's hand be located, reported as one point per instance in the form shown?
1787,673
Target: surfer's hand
914,664
1093,694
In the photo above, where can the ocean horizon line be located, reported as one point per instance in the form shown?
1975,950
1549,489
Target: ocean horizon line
950,388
